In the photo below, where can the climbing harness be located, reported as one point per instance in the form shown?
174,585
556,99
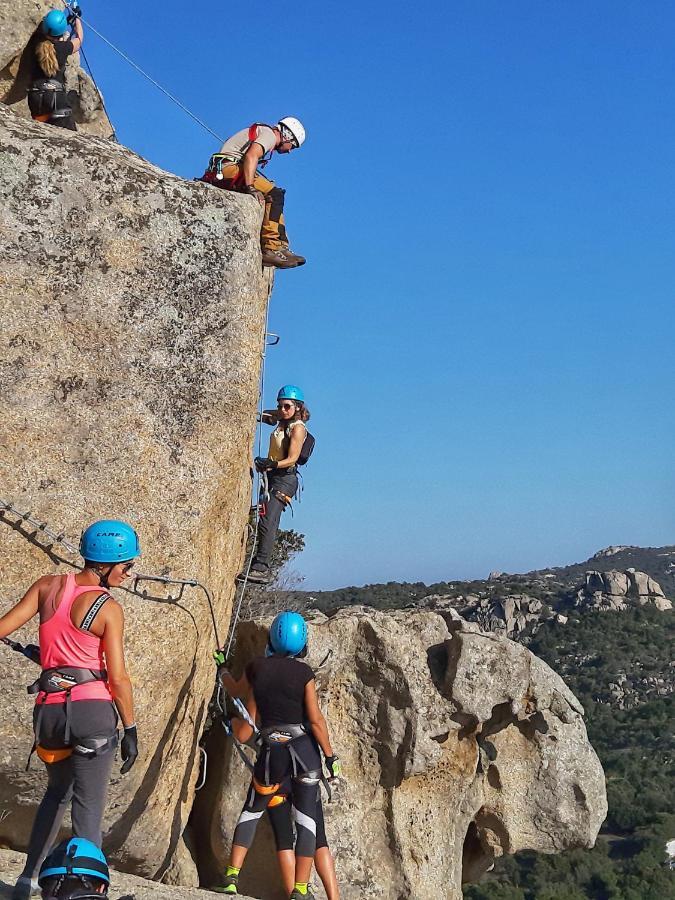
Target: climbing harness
214,171
152,81
61,679
285,736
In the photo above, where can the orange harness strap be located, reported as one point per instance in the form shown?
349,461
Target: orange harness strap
53,756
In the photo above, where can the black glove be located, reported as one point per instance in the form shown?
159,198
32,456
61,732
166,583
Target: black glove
334,766
129,748
74,13
32,651
264,463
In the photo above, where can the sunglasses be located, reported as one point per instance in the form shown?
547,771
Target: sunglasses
127,567
285,405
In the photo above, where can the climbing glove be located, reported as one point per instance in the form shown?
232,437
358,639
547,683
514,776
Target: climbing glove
334,766
75,12
221,662
129,748
264,463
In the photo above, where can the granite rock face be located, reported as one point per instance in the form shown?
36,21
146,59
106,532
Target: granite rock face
19,20
132,311
617,590
458,746
122,887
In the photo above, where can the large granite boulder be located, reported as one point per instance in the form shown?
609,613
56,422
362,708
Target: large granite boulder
19,20
616,590
132,316
458,746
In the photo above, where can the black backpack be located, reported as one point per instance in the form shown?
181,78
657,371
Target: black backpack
307,449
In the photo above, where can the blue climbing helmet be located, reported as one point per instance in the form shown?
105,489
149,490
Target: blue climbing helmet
109,541
76,868
291,392
288,634
55,23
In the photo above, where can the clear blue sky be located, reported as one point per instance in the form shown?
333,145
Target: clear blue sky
484,327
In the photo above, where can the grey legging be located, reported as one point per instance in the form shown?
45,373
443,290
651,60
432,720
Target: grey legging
84,780
269,523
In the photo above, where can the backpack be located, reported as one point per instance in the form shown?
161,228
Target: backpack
307,449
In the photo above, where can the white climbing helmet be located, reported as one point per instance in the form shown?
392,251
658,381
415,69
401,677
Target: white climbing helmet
296,128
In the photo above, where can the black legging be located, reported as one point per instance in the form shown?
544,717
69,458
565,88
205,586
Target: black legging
303,794
281,820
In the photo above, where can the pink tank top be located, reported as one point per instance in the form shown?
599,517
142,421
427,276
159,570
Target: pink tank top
62,644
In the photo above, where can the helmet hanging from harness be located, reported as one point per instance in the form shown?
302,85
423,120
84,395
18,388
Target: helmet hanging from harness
76,869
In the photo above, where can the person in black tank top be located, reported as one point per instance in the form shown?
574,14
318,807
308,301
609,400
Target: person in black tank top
280,695
47,96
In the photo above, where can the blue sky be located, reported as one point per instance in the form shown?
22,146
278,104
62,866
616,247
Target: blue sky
484,327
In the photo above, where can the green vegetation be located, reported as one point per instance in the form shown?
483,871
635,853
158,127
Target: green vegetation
633,651
620,665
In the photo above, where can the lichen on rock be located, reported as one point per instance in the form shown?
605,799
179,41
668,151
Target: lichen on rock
132,317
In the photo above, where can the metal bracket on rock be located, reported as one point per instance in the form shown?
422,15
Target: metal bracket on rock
182,583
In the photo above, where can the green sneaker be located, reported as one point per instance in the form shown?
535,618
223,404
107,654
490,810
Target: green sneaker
229,885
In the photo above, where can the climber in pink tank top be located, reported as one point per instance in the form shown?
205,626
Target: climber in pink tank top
64,644
83,687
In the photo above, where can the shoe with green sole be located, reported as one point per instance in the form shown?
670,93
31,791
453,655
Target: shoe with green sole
229,886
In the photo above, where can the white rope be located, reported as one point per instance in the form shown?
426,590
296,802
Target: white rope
152,81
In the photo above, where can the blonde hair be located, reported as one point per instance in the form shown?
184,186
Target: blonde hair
46,57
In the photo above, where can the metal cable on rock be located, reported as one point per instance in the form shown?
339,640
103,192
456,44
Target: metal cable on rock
257,486
153,81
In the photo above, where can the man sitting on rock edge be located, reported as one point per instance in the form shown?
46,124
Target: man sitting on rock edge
235,168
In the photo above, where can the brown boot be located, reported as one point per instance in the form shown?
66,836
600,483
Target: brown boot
281,258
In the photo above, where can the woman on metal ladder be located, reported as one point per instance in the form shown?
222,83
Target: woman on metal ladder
280,693
290,447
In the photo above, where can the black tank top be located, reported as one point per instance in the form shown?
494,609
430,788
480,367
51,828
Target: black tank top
278,684
63,50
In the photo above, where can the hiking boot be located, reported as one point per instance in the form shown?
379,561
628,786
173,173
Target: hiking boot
255,576
229,886
281,258
25,888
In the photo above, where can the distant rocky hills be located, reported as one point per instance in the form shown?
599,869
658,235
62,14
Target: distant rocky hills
615,578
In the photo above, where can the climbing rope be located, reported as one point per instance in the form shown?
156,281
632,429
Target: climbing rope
152,81
99,92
